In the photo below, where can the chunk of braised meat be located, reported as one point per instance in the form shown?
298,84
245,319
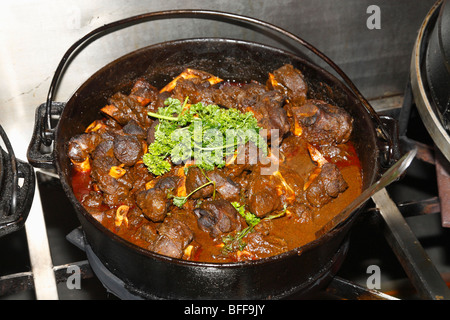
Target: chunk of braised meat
295,150
151,132
334,154
291,82
123,109
147,95
81,145
196,178
159,102
104,148
323,123
245,158
238,97
134,129
135,216
225,187
92,200
144,92
326,186
115,190
197,89
218,217
167,183
173,237
153,203
262,195
128,149
267,106
262,244
147,232
118,110
289,184
271,116
139,175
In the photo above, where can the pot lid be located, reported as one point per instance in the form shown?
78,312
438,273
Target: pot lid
1,168
426,106
444,33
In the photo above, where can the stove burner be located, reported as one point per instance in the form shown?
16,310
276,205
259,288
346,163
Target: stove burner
120,289
111,283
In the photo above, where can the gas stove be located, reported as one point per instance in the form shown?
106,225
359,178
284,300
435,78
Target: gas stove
398,247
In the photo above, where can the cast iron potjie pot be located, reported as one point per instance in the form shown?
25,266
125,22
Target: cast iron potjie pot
151,275
437,63
17,186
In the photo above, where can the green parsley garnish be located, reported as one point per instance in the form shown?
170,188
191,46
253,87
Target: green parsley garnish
249,217
180,201
234,241
206,133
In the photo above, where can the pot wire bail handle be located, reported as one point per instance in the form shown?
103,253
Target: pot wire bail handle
48,132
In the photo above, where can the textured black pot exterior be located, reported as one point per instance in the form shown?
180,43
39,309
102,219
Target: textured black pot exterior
437,62
15,199
156,276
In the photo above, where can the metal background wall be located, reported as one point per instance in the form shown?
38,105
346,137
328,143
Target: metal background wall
35,34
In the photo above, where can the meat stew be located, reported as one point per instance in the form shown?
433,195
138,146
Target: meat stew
240,209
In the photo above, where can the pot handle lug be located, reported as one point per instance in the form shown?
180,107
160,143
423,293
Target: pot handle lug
40,150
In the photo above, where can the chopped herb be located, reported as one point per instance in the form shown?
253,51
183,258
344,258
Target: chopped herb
249,217
206,133
180,201
234,242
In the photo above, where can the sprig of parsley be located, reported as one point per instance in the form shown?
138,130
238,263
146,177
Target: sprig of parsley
234,241
249,217
206,133
180,201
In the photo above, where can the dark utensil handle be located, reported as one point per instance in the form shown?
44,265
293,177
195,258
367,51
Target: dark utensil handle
47,132
39,153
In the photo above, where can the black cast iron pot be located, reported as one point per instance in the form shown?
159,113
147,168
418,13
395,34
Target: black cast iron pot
17,185
437,62
150,275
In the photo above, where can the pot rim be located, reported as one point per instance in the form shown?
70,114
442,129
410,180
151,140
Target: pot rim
296,251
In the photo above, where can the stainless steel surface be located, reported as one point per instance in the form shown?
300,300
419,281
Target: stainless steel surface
343,288
39,251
